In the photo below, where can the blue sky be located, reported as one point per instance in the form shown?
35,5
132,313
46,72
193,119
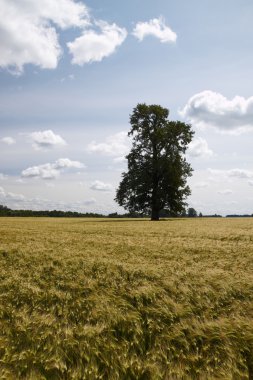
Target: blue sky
72,71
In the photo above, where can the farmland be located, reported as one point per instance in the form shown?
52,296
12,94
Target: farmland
126,299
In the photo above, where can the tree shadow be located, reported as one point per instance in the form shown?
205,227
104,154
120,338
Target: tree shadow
118,220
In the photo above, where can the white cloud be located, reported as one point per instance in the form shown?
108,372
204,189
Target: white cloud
88,202
225,192
20,180
29,34
8,140
115,145
155,27
50,185
201,185
211,109
19,201
232,173
15,197
240,173
93,47
46,171
101,186
119,160
8,196
46,139
216,172
199,148
63,163
2,192
2,176
51,170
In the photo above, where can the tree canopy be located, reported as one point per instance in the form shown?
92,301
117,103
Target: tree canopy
157,169
192,213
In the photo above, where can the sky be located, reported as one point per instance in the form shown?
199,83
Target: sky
71,73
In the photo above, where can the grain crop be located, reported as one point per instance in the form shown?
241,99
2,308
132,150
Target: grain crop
126,299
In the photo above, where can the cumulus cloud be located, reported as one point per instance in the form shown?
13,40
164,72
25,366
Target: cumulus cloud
225,192
51,170
211,109
46,139
46,171
240,173
250,183
116,145
232,173
19,201
8,140
29,34
7,196
67,163
93,47
199,148
101,186
156,28
201,185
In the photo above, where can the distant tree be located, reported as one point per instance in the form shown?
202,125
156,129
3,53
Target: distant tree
200,215
157,168
113,215
192,213
4,211
183,214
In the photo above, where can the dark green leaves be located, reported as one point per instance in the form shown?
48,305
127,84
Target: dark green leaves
157,169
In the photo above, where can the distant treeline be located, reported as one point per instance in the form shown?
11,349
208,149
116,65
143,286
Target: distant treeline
5,211
239,216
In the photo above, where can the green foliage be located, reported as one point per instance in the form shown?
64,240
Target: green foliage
157,169
126,299
192,213
5,211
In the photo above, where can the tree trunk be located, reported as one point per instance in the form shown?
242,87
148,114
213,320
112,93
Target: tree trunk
155,212
155,202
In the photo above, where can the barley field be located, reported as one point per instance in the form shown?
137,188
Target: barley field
126,299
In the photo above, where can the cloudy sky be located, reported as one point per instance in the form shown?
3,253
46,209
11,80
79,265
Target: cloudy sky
71,73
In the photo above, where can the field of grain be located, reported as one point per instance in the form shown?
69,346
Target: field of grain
126,299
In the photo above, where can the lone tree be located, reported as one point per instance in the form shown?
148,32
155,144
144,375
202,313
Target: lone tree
157,168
